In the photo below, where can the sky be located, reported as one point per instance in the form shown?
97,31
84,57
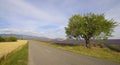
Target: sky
47,18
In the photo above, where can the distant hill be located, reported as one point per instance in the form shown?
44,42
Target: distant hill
26,37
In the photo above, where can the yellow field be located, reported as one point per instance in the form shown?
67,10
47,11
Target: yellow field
8,47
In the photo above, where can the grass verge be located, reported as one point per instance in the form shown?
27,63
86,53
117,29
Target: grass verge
19,57
102,53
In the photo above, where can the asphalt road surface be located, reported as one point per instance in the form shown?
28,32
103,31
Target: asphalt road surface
44,55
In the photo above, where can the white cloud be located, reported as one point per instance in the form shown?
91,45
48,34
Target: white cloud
15,10
26,32
27,18
20,7
114,14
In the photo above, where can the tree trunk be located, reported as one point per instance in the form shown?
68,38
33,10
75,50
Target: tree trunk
87,41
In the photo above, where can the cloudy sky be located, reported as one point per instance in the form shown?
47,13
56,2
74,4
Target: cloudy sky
49,17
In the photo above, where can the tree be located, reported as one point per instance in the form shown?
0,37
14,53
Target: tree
89,26
2,39
11,39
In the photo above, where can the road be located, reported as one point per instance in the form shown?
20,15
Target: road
44,55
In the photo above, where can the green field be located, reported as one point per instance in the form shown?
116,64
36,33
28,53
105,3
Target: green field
97,52
19,57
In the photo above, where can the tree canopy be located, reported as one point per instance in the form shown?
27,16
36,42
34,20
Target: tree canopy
8,39
88,26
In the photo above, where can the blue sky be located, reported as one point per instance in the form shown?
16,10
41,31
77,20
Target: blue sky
49,17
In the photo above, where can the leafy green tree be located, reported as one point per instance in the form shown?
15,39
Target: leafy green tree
10,39
2,39
89,26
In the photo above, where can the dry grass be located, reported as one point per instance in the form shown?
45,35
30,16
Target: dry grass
8,47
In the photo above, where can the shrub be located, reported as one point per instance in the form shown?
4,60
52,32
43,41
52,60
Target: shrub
2,39
10,39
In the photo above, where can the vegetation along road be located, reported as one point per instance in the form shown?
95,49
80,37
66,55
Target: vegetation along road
44,55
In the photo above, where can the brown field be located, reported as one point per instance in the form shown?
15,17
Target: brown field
8,47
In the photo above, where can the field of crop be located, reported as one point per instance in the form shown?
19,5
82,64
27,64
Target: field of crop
7,47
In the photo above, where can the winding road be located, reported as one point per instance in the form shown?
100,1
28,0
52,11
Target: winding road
45,55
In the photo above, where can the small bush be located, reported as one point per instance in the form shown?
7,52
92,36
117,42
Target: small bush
10,39
2,39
